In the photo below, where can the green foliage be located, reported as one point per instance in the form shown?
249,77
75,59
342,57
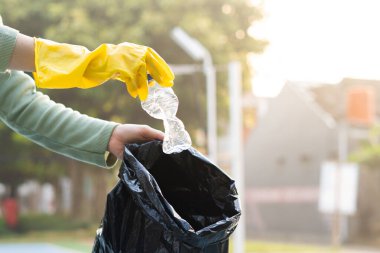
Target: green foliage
220,25
369,152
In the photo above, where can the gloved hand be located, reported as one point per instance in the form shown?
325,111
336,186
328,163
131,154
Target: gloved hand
61,66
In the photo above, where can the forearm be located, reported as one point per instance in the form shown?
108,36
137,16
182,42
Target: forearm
23,54
52,125
16,50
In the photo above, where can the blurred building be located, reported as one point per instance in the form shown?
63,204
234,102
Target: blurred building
285,151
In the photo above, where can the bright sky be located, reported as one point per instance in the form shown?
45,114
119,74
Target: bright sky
317,41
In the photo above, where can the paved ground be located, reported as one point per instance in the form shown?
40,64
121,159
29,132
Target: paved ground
50,248
342,250
33,248
359,250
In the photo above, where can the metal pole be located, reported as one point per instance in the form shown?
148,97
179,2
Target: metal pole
236,135
342,158
198,52
209,71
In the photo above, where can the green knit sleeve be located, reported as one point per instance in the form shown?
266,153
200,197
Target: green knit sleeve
50,124
7,43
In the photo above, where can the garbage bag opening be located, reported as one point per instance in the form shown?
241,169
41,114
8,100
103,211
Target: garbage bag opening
190,198
177,203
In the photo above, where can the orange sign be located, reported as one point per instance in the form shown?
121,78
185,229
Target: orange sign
361,105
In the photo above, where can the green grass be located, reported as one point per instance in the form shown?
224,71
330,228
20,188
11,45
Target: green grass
79,236
277,247
82,240
73,245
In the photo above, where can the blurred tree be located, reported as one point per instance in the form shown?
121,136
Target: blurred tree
19,161
367,217
221,25
368,153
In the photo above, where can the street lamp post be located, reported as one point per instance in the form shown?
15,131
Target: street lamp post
237,150
198,52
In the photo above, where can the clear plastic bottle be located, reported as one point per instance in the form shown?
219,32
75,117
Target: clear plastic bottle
162,103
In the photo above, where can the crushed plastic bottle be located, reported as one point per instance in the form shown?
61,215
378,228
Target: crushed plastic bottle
162,103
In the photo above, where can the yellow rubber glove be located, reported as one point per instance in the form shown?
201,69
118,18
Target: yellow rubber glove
62,66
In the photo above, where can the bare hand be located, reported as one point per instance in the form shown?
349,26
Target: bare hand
130,133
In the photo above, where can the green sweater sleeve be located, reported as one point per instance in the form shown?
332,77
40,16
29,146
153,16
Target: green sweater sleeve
43,121
7,44
52,125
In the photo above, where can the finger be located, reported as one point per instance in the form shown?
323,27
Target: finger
152,134
131,87
159,69
142,83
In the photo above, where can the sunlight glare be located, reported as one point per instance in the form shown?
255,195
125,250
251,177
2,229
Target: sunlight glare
316,41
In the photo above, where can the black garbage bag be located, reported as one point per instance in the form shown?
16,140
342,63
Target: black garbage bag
168,203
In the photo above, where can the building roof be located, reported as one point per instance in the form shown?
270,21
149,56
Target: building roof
332,97
309,98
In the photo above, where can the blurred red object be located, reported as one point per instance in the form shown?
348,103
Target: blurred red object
10,209
360,105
